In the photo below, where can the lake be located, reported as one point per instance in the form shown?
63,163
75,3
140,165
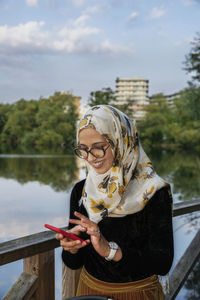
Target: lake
35,189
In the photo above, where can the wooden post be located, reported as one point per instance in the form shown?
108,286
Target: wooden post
184,267
42,265
70,280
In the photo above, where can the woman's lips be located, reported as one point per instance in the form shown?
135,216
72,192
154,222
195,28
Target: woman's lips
97,165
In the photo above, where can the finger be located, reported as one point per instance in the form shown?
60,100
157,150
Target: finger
79,215
75,245
95,233
59,236
70,243
91,226
74,221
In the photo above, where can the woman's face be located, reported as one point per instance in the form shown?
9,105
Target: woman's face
89,138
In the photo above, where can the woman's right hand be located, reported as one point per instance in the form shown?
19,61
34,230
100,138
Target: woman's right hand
72,245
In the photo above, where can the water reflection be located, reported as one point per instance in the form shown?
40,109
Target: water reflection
193,284
35,190
181,169
59,172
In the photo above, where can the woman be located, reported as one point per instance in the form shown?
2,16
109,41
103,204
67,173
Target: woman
122,208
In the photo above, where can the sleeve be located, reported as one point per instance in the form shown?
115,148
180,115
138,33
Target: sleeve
153,252
74,261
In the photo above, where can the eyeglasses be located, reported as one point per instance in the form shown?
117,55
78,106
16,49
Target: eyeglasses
97,152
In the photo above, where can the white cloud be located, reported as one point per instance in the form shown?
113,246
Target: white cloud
80,21
23,35
113,49
156,13
133,15
32,2
75,37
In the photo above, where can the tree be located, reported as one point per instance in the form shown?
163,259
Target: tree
4,110
106,96
47,124
154,127
192,62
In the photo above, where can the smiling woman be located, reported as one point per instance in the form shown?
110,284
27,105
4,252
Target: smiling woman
100,155
122,210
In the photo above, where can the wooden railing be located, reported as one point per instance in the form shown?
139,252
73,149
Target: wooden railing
37,282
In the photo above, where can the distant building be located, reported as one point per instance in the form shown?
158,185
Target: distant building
134,90
77,101
170,98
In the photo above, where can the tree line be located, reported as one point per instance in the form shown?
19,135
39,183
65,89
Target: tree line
45,125
49,124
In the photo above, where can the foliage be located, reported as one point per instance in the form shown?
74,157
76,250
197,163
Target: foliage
44,124
174,127
192,62
106,96
154,127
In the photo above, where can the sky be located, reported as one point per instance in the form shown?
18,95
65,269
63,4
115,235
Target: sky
84,45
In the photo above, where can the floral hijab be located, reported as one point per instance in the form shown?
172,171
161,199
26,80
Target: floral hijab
131,182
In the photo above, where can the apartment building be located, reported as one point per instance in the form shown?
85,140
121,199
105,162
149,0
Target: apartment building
134,90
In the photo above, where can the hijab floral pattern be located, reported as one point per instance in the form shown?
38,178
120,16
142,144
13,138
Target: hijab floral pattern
131,182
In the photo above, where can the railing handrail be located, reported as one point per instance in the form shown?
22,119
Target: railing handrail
27,246
44,241
185,207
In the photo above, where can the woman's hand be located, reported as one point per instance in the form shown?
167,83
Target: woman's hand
72,245
98,241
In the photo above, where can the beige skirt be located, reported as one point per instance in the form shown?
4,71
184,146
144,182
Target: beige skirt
146,289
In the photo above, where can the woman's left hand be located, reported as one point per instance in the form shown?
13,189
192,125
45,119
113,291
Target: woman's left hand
98,241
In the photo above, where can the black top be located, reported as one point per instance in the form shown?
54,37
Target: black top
145,238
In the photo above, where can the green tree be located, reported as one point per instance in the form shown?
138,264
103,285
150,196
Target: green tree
106,96
4,110
154,127
44,124
192,62
185,131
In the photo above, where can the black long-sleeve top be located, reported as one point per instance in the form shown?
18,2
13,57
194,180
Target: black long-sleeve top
145,238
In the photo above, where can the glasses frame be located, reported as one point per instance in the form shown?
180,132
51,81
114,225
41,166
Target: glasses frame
89,151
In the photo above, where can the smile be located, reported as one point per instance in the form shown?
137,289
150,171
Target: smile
98,164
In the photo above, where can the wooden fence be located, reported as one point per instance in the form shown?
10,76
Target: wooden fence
37,282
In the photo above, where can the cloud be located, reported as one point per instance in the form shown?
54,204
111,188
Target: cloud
32,2
80,21
157,13
133,15
113,49
75,37
26,37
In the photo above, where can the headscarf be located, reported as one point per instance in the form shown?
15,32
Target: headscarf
131,182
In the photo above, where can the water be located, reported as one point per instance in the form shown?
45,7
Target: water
35,190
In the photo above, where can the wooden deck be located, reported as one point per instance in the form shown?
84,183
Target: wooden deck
37,282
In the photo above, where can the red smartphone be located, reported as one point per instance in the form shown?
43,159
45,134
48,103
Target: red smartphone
67,234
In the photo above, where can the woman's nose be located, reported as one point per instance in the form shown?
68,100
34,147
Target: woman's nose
90,157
